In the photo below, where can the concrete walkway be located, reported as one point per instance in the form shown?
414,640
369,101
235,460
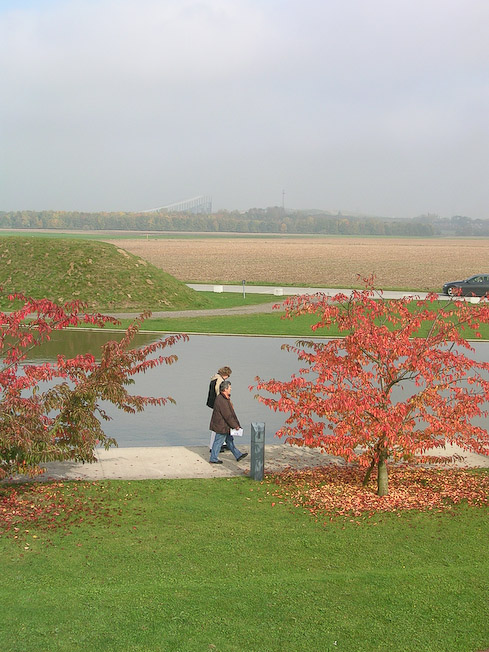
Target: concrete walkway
193,462
179,462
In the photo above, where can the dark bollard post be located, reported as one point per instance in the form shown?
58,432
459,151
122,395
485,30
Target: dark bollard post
257,466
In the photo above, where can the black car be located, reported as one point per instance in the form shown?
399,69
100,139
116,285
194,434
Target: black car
477,285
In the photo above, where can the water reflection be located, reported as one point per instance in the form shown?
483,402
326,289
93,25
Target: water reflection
187,422
74,342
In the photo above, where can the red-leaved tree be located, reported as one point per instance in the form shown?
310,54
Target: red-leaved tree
63,421
343,400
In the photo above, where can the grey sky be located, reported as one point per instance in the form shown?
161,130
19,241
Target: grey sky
376,106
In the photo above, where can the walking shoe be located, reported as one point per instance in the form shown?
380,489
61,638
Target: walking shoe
241,457
217,461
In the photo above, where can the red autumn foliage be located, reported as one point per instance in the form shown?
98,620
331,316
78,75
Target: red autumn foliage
343,401
63,422
337,490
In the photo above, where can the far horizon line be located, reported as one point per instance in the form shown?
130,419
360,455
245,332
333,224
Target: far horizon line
328,212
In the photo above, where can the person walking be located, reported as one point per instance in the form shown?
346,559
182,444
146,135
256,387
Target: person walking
214,387
222,421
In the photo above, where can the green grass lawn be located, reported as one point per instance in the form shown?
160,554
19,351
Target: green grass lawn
260,324
193,565
253,324
232,299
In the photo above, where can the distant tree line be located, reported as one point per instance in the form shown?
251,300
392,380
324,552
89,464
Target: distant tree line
255,220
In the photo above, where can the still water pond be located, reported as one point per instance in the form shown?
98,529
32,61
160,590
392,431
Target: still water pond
187,381
187,422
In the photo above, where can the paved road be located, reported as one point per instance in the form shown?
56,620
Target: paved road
287,291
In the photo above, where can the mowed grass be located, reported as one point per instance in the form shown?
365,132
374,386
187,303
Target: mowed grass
223,300
253,324
192,565
272,324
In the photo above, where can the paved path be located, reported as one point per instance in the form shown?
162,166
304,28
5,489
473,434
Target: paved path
262,307
169,462
179,462
279,291
237,310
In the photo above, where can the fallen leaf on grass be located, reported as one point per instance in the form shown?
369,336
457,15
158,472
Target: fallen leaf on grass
49,506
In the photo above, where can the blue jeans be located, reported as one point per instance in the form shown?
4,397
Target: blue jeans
219,441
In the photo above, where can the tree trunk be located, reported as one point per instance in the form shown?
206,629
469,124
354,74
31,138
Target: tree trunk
368,473
382,479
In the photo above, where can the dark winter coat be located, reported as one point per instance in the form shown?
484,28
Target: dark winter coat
223,416
214,386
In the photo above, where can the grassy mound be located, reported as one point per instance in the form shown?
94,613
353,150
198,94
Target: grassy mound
100,274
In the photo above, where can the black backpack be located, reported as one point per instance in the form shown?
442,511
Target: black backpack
211,396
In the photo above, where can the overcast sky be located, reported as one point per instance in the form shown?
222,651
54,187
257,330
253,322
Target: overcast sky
375,106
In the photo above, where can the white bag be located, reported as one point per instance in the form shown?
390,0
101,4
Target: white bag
236,432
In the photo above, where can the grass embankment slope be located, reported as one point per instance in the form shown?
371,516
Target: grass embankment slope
100,274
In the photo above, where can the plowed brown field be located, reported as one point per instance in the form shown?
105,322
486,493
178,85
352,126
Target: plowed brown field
415,264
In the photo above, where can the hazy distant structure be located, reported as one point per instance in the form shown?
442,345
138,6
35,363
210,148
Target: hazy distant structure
199,205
